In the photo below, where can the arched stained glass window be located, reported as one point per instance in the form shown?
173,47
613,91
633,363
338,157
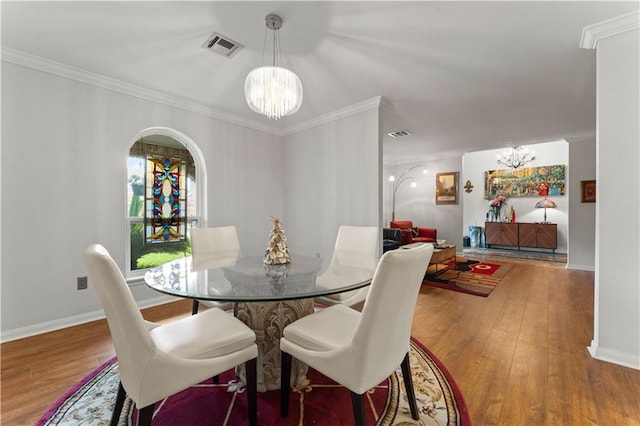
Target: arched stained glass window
162,201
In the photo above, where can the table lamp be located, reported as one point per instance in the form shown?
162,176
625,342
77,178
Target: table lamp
545,204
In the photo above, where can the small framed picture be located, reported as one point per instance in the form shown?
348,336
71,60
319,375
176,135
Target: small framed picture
447,188
588,191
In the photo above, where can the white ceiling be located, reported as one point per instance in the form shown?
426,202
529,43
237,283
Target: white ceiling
460,76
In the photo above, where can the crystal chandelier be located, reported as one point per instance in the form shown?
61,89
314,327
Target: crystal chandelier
272,90
517,157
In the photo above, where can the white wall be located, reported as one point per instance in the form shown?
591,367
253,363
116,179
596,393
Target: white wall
582,216
617,282
475,206
419,204
63,171
331,178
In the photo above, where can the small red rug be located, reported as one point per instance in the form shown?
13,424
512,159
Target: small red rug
318,401
468,276
484,268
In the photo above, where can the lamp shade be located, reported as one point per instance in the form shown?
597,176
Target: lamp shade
546,204
273,91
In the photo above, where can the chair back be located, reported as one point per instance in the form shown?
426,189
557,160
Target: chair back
129,331
382,338
402,224
356,246
214,247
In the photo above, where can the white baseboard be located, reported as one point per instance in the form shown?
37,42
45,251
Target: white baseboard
45,327
581,267
613,356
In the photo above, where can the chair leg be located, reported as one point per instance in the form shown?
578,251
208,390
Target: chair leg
194,307
285,380
252,390
357,401
145,415
216,380
408,386
117,409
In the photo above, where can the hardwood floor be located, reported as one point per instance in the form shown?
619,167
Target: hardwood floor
519,356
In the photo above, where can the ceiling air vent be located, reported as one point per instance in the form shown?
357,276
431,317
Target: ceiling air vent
224,46
399,133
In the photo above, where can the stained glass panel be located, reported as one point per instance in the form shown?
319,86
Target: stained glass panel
166,199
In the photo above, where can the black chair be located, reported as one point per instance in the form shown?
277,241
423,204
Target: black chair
391,238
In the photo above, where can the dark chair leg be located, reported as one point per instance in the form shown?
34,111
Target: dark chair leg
285,381
194,307
117,409
145,415
408,386
357,401
216,380
252,390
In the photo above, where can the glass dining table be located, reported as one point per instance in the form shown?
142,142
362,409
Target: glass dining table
265,297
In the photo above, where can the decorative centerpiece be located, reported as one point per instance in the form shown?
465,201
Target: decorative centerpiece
496,205
277,252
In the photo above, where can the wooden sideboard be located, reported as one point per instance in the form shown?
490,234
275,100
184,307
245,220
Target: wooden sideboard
529,235
504,234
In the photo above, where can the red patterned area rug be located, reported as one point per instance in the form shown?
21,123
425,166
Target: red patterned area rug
467,276
319,401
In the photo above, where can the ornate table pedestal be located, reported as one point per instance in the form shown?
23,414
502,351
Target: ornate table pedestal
268,319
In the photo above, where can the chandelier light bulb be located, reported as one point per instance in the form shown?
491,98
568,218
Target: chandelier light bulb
392,178
414,184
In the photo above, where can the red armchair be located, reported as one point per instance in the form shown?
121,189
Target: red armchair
425,235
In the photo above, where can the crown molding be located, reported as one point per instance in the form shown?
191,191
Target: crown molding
66,71
56,68
336,115
592,34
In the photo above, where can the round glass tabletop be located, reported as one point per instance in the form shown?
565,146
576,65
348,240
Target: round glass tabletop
250,280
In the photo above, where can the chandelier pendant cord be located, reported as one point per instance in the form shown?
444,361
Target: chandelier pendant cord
276,37
264,47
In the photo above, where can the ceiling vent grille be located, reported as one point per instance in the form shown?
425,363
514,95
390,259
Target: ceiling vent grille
223,46
399,133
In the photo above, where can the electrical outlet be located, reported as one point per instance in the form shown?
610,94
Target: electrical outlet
82,283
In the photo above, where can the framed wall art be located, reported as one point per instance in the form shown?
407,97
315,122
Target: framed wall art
447,188
588,191
525,181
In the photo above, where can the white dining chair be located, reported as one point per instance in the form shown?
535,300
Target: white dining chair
213,247
355,256
156,361
361,349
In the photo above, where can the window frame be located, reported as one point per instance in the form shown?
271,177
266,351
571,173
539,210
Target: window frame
136,277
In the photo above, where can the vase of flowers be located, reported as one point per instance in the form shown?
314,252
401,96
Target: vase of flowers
496,205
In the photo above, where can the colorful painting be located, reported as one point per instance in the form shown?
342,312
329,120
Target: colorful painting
165,197
525,182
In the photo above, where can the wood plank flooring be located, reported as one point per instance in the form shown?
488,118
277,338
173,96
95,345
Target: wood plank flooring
519,356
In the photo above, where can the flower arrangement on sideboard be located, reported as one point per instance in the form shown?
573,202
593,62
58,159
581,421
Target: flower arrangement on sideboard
495,205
